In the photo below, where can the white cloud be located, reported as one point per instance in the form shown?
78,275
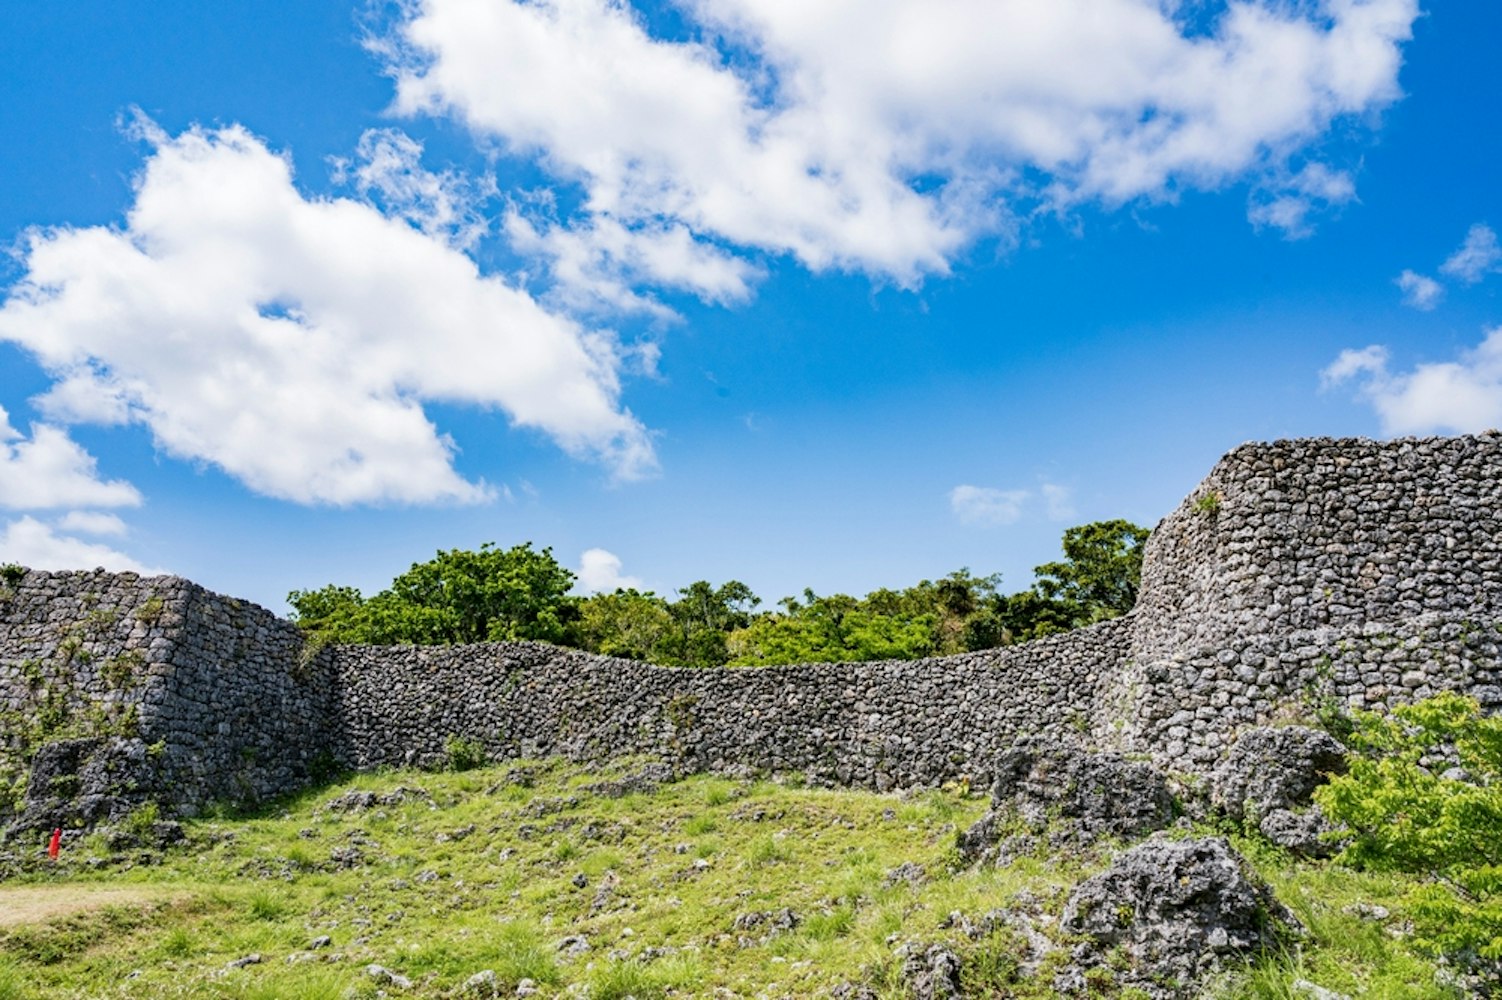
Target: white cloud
600,573
34,544
1420,291
987,507
89,522
51,470
1058,501
599,263
388,172
1287,203
293,342
1477,257
1463,396
885,135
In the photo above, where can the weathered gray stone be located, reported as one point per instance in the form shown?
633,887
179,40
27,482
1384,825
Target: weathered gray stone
1176,910
1074,795
1268,778
931,972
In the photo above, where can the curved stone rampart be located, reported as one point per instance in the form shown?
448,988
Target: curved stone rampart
1301,577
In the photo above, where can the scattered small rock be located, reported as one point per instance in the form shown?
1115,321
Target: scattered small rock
644,782
321,941
573,945
346,857
773,922
482,984
357,800
1303,987
254,958
909,872
381,974
1367,911
932,972
605,892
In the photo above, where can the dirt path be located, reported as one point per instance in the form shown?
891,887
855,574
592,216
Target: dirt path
31,904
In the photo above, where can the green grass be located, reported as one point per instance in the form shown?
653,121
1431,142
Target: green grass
494,872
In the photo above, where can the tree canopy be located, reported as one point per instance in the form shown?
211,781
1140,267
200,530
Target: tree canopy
457,596
520,593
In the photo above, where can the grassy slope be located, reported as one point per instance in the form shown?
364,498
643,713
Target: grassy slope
484,876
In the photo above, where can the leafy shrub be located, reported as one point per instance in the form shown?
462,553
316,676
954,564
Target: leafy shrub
1424,794
464,754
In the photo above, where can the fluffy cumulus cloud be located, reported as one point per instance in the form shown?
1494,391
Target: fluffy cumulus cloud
884,136
600,573
294,342
39,545
1462,396
50,470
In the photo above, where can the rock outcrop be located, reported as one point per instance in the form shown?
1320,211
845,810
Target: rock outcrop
1267,781
1068,795
1170,912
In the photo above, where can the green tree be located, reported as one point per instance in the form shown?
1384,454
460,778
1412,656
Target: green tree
833,629
626,623
457,596
329,608
1097,579
1405,811
1101,570
703,617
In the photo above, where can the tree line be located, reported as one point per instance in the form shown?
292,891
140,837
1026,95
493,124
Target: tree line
494,594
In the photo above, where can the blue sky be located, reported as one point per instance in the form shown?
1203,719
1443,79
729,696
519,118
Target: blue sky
841,295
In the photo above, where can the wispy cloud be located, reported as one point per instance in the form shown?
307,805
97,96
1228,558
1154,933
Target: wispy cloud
1286,203
387,171
1420,291
33,543
1477,257
1464,395
986,507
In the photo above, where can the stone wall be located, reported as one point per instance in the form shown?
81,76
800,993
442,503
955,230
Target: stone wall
159,689
1300,578
1316,575
895,723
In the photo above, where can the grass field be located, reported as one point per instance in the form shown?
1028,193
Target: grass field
568,878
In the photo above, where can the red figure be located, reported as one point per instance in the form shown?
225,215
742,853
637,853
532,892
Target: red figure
55,843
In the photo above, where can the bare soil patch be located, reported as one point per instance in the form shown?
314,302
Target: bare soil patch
34,904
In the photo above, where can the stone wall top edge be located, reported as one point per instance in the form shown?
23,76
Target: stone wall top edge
1083,638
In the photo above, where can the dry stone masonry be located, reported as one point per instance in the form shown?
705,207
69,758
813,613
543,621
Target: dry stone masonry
1301,578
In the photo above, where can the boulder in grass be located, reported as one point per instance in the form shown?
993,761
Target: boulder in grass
1168,913
1267,781
1073,795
